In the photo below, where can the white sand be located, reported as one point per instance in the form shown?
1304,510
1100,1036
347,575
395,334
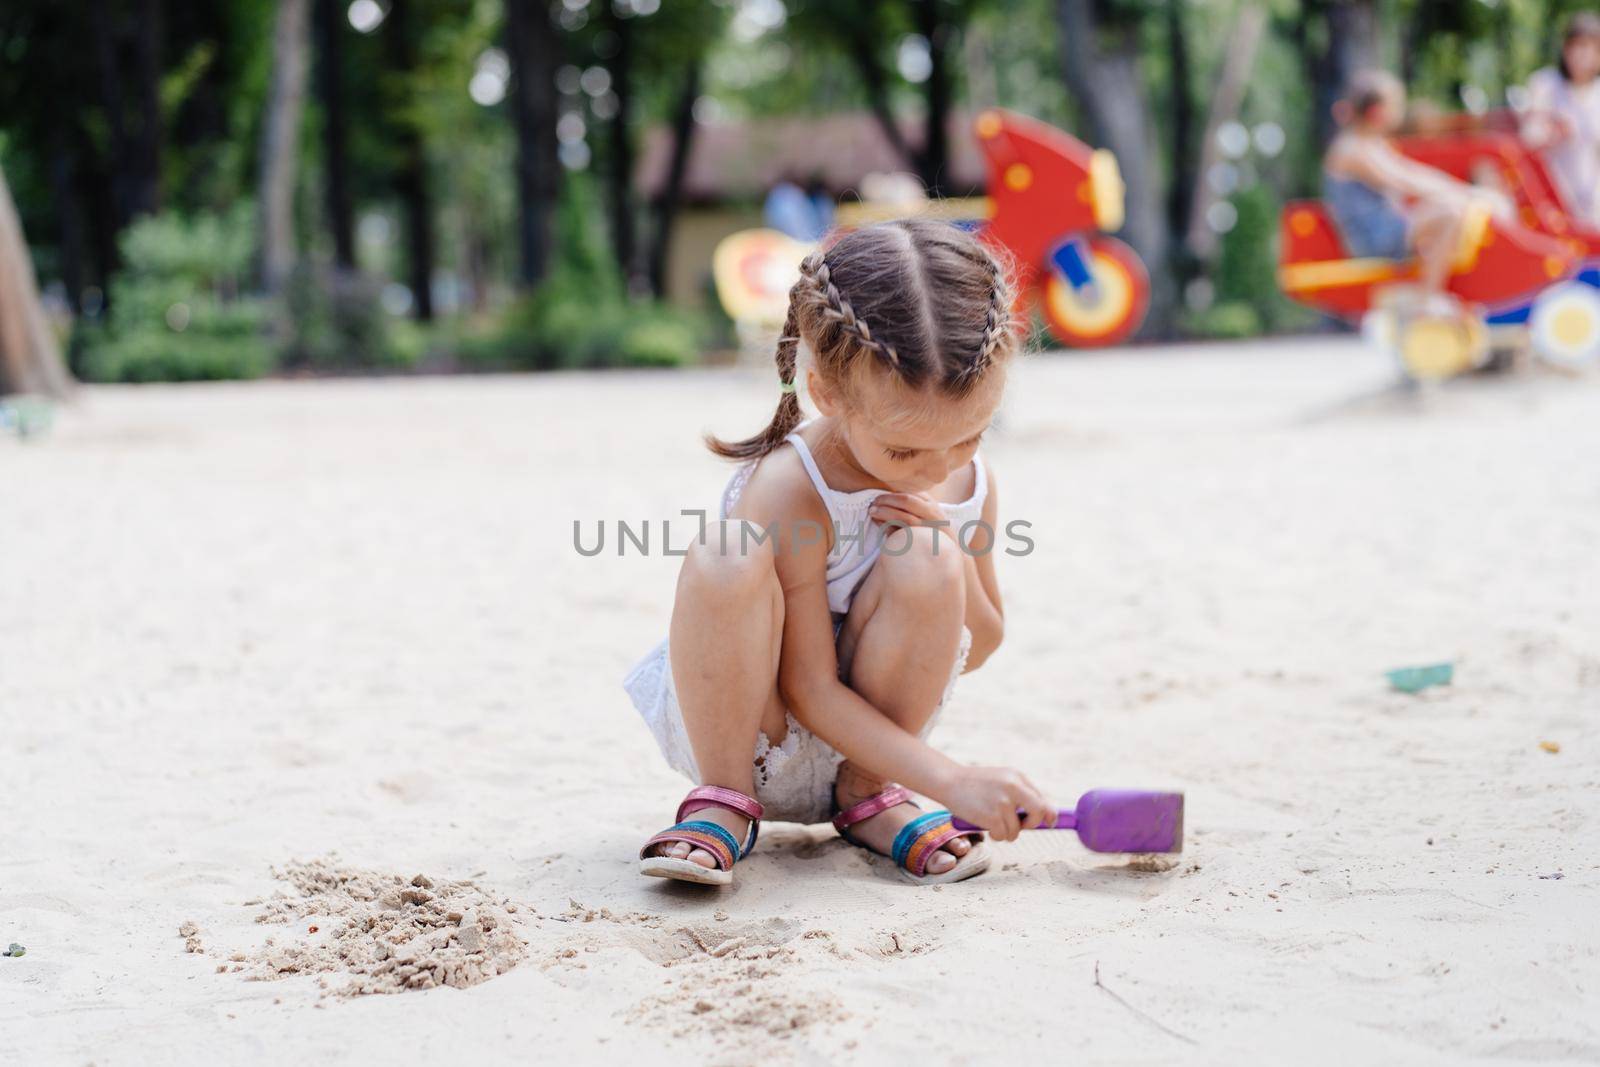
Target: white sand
242,625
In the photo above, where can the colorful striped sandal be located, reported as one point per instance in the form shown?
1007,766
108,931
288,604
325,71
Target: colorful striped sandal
700,833
917,839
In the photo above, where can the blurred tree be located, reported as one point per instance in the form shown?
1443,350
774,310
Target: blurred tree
411,177
330,31
671,59
1348,33
533,46
127,45
1185,161
1101,62
931,32
280,142
1233,76
617,24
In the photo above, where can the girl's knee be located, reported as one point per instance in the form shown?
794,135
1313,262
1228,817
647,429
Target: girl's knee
728,559
922,561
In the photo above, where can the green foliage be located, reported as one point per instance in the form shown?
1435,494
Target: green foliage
175,310
580,316
1246,270
337,322
1229,320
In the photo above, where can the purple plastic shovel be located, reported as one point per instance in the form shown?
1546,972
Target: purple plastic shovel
1121,820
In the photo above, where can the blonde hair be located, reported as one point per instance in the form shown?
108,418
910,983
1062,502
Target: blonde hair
921,299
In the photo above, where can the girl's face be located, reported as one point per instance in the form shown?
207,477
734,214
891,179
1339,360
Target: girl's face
1582,55
1386,115
910,442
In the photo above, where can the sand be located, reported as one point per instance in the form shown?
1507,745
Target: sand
340,627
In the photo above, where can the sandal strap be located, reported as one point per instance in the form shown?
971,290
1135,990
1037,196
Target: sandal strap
871,806
698,833
920,838
715,796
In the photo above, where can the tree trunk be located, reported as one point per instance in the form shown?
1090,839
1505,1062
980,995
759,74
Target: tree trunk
672,193
534,50
1101,67
1181,193
335,132
63,186
934,158
622,228
280,143
30,358
146,190
104,28
1352,45
412,181
864,50
1226,98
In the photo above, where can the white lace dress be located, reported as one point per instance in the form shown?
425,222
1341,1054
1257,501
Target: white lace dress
794,778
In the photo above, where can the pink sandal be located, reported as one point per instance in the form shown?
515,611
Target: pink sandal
917,840
703,834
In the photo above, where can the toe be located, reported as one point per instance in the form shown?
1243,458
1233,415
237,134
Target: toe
940,862
675,850
959,846
703,858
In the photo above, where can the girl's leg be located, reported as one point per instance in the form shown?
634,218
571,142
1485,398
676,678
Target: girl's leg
727,629
1436,231
897,649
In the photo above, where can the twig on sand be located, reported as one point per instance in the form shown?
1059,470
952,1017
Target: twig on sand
1141,1014
695,938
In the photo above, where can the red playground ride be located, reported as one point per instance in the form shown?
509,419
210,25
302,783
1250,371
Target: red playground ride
1052,201
1506,273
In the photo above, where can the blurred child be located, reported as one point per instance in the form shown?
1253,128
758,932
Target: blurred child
802,670
1386,205
1563,117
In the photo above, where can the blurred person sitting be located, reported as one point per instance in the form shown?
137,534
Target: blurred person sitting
1388,206
1562,119
791,210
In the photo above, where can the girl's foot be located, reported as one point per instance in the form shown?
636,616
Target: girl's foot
879,831
734,823
716,828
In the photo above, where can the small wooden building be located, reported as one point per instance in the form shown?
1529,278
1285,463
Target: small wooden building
734,163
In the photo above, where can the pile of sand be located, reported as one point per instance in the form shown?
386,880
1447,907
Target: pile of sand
388,932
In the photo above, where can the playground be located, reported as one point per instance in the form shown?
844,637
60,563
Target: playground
373,374
249,640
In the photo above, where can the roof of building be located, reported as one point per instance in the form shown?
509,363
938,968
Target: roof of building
742,159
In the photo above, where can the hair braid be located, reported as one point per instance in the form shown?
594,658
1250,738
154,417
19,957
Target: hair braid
837,308
998,325
788,415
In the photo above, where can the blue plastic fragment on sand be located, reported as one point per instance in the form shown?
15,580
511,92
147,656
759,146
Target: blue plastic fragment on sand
1416,679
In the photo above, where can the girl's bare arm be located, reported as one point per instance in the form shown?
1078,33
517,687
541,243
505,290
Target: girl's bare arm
985,613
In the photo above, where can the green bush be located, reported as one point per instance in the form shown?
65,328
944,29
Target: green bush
176,313
1227,320
658,341
580,316
337,322
148,356
1247,269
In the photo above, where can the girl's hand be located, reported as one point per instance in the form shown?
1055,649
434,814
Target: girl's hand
990,796
909,509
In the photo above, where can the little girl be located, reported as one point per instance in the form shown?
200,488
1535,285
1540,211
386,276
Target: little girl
821,624
1385,204
1563,119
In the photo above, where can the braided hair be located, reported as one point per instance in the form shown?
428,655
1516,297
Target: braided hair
921,299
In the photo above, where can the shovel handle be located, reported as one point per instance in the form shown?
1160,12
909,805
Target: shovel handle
1066,820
